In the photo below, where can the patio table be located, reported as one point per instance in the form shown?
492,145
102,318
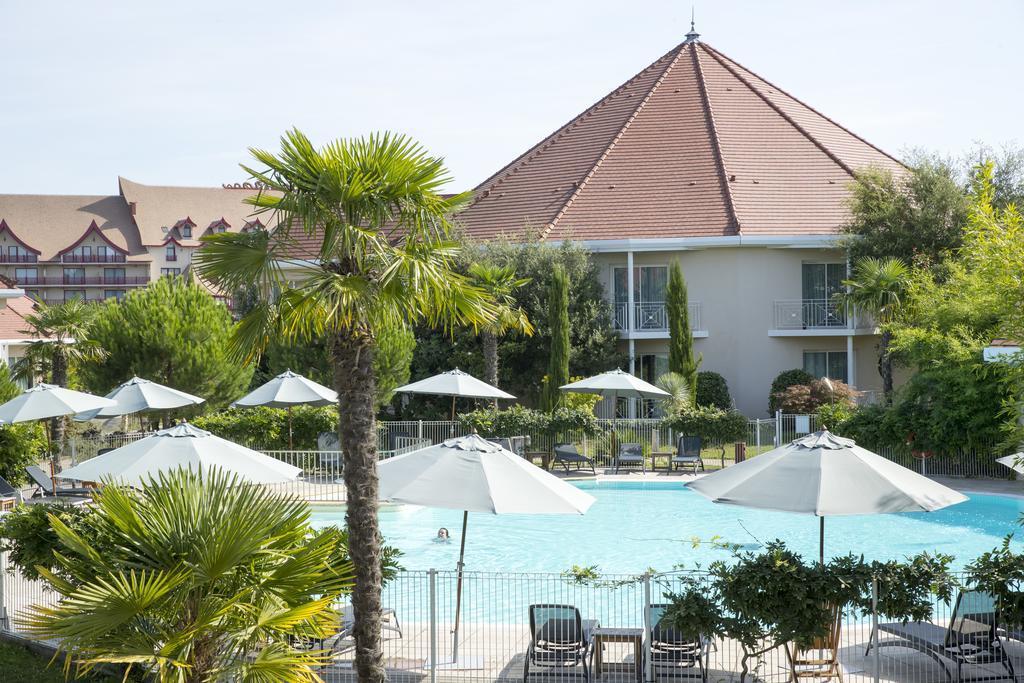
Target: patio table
603,635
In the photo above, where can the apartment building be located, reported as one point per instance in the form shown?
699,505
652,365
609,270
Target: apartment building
59,247
701,161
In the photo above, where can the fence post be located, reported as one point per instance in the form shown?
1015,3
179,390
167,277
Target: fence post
778,428
4,624
419,429
648,664
432,575
757,428
874,628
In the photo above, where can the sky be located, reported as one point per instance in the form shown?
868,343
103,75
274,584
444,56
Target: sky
177,92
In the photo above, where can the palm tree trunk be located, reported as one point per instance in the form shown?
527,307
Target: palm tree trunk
490,344
59,376
355,383
885,365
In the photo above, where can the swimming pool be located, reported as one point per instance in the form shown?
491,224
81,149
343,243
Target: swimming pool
635,526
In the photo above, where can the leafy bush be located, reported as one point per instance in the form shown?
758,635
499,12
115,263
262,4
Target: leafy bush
834,416
804,399
783,381
27,535
20,444
713,390
520,421
712,425
267,428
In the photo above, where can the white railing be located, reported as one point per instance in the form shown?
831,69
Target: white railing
651,316
808,314
493,637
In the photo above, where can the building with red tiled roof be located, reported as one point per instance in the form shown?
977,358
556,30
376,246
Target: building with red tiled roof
697,159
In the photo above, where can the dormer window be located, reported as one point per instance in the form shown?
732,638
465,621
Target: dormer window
185,226
186,231
219,226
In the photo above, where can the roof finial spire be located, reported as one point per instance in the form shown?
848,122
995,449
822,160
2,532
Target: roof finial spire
692,36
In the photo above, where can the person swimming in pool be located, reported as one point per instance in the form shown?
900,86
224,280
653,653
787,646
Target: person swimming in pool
442,536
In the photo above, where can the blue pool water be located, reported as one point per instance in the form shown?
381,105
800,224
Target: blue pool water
635,526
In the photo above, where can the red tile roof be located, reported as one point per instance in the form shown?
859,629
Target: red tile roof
695,145
12,317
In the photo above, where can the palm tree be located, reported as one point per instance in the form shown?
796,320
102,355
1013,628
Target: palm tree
63,331
197,577
679,399
500,282
879,287
365,225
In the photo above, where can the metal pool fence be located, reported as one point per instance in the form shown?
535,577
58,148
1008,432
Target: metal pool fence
620,615
321,469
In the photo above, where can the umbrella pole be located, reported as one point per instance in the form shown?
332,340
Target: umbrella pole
821,540
453,415
290,446
458,587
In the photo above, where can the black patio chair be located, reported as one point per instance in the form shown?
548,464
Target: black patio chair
630,455
687,454
671,647
559,639
566,454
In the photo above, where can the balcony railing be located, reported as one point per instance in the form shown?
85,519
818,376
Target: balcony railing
809,314
92,258
651,316
19,258
69,280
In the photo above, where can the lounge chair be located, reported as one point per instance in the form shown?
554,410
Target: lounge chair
821,659
45,487
566,455
9,495
972,637
329,448
559,639
630,455
671,647
344,640
687,454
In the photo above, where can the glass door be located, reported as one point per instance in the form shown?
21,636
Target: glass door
821,282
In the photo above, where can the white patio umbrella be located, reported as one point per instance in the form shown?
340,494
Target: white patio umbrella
615,384
47,400
454,383
181,446
139,395
475,475
286,391
1015,462
822,474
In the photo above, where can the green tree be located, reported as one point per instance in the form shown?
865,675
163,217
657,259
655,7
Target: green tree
558,323
384,260
197,577
500,282
65,346
914,216
713,390
172,332
879,288
21,444
680,345
679,398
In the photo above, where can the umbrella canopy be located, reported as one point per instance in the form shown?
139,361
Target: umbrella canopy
181,446
286,390
472,474
139,395
823,474
454,383
1015,462
616,384
47,400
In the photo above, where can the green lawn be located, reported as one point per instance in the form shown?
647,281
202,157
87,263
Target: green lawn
19,665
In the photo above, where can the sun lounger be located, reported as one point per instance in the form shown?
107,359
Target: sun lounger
9,495
566,455
971,638
44,485
687,454
559,639
630,455
344,641
671,647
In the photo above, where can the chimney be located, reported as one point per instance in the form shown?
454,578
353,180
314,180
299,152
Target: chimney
131,208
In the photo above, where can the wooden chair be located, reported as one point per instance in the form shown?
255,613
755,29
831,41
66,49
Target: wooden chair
821,659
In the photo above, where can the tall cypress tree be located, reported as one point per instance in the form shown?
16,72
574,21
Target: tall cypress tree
680,345
558,321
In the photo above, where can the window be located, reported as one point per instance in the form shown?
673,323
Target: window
113,294
171,272
820,283
171,253
70,294
831,364
649,367
74,276
26,276
186,230
17,254
113,276
649,284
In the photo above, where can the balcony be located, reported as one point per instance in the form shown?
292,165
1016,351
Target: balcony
809,314
93,281
652,317
19,258
92,258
